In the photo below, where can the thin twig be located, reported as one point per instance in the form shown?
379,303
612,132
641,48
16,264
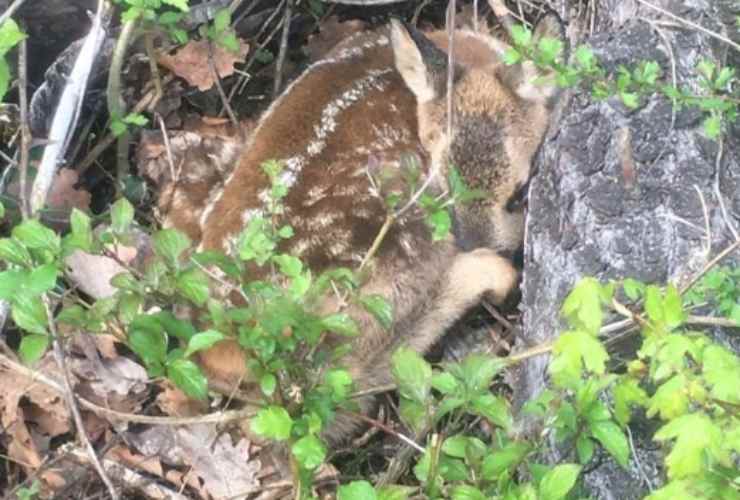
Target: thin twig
386,429
724,253
116,106
25,130
691,24
283,49
211,418
11,10
378,240
219,87
61,361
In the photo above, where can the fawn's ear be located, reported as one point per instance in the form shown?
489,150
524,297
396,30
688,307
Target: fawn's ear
532,83
422,64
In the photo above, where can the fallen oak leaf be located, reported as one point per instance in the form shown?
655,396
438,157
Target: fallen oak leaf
191,62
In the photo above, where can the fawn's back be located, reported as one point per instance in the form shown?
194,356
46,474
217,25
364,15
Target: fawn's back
350,131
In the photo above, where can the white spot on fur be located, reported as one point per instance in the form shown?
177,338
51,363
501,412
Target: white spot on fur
250,214
331,112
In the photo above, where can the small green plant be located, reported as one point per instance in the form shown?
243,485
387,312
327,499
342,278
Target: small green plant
10,36
719,99
220,31
30,492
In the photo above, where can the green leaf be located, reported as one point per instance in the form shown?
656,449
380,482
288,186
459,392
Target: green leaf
671,399
193,284
445,383
573,351
202,341
10,36
13,252
695,434
340,382
455,446
559,481
673,312
627,392
309,451
467,492
380,308
395,492
477,371
33,347
10,282
170,244
221,20
73,315
585,448
254,242
29,314
357,490
629,99
412,374
273,422
188,376
633,289
520,35
582,307
721,369
440,222
613,440
290,266
5,77
125,281
148,340
179,4
713,126
413,414
169,18
549,49
135,119
229,41
493,408
81,236
341,323
35,235
584,55
118,127
121,215
41,279
268,383
507,458
224,263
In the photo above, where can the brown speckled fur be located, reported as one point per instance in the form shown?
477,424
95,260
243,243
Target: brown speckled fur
372,100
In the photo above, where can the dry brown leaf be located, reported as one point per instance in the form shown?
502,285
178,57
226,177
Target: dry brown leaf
172,401
14,386
92,273
64,195
225,468
191,62
125,456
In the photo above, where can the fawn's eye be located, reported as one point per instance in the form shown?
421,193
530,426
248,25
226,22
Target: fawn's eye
517,200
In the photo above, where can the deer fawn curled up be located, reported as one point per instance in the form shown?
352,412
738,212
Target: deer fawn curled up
375,99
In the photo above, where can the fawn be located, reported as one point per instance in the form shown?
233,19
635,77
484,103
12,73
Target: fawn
373,100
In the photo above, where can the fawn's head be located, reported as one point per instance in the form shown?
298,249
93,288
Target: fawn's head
500,116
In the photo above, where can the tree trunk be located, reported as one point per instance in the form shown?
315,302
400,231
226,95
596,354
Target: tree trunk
629,193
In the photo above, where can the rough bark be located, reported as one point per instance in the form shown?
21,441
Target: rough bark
617,191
